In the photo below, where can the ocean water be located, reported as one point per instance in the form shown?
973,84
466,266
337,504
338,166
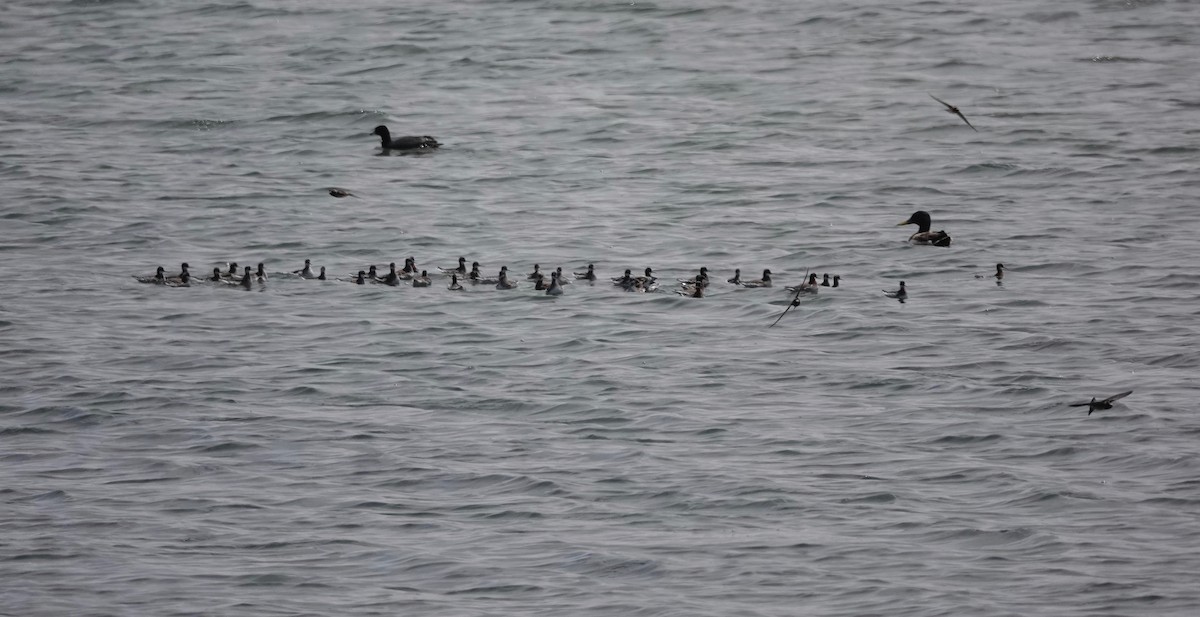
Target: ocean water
323,448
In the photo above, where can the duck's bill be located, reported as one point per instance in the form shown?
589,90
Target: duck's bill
907,222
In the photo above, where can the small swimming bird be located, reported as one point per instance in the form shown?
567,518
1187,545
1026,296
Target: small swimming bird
737,277
410,265
555,288
422,281
764,282
183,280
502,275
562,280
998,275
340,193
648,277
245,282
537,271
590,275
321,276
825,280
954,110
836,278
700,279
624,281
921,219
306,272
183,275
232,273
362,278
216,276
1093,404
474,276
391,278
899,294
540,283
454,286
372,274
408,142
809,286
692,291
461,269
261,274
502,281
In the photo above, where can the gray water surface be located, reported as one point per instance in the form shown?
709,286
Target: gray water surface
321,448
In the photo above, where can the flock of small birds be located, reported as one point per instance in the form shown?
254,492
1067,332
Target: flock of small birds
694,287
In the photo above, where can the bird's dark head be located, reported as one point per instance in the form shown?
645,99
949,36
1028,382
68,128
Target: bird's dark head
381,131
999,267
247,269
648,271
919,218
767,273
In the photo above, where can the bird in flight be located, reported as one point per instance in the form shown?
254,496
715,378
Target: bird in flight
1093,405
954,110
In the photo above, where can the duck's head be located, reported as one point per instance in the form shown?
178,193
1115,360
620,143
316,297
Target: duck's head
766,274
232,267
628,272
999,268
919,218
381,131
373,270
462,261
423,274
825,278
392,266
812,278
703,271
648,272
247,269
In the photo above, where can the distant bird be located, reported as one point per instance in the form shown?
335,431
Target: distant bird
454,286
836,278
306,272
362,278
899,294
737,277
954,110
321,276
461,269
216,276
232,273
422,281
624,281
825,281
182,277
261,274
502,281
555,288
1093,404
998,275
765,281
245,282
540,283
809,287
590,275
340,193
408,142
922,220
537,271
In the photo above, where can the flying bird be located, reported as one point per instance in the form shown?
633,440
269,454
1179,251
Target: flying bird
1093,404
954,110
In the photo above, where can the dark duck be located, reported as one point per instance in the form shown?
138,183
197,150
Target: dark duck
407,142
921,219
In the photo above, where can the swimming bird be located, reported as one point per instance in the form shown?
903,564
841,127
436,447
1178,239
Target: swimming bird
245,282
422,281
502,275
562,280
537,271
408,142
461,269
502,281
454,286
791,305
391,278
648,277
306,272
362,278
737,277
836,278
899,294
825,280
183,275
921,219
340,193
1093,404
765,281
216,276
998,275
540,283
261,274
474,275
555,288
321,276
372,274
410,265
232,273
590,275
700,279
809,286
954,110
624,281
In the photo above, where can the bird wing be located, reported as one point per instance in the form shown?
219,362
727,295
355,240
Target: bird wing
1117,397
948,105
964,119
795,302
